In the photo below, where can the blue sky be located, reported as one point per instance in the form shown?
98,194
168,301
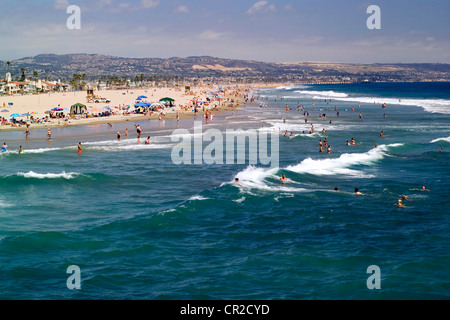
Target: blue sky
265,30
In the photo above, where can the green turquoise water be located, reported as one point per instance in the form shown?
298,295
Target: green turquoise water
141,227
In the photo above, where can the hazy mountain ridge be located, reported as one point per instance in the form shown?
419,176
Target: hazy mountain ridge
95,66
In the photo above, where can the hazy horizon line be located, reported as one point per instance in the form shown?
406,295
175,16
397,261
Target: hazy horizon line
225,58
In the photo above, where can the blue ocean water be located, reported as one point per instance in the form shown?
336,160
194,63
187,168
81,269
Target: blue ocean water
141,227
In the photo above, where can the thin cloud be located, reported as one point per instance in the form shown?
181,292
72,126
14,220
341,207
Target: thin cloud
61,4
147,4
182,9
261,6
211,35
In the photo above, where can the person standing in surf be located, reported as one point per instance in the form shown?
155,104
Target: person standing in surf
79,148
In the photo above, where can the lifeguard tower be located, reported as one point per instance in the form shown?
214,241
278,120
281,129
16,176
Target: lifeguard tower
90,97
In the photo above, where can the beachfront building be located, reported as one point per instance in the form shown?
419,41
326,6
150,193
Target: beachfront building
12,88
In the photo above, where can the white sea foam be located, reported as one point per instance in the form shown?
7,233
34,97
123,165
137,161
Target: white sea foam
441,139
4,204
255,178
35,175
291,87
128,147
239,200
44,150
198,198
429,105
342,165
323,94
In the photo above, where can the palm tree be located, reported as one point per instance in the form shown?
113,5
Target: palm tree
23,73
35,74
8,63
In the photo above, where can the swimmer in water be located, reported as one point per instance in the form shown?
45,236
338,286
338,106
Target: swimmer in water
118,136
422,189
79,148
237,181
147,141
283,178
329,149
357,192
404,198
382,134
336,189
49,134
353,142
4,147
399,204
20,150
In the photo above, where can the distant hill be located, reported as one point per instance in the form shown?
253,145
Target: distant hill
96,66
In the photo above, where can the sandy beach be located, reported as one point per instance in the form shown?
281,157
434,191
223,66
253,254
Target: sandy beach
37,105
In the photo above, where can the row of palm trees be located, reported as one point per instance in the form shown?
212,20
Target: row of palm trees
23,71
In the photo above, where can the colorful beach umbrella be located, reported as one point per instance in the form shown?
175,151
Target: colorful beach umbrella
166,100
142,104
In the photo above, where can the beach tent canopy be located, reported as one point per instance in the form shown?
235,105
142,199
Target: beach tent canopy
142,104
78,108
167,100
141,97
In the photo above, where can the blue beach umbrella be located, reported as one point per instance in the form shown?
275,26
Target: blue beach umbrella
26,115
4,110
142,104
15,115
141,97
